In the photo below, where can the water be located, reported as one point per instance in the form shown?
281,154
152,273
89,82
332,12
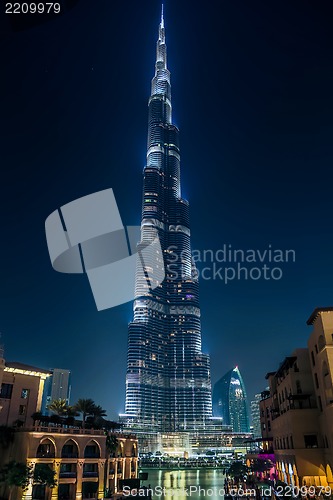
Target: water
194,484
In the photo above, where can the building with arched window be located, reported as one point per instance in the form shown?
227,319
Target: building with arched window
320,347
85,464
297,412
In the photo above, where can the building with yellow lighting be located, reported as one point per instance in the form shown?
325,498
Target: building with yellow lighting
320,346
84,463
297,411
84,466
21,391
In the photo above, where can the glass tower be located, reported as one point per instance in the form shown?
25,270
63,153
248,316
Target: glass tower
168,387
230,401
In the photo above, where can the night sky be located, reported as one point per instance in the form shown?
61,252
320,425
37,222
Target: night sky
252,94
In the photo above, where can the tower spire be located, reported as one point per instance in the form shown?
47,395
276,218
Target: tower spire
161,80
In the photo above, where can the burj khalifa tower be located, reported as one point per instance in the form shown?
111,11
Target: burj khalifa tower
168,386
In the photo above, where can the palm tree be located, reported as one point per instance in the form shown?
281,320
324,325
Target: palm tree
58,406
85,407
71,413
98,411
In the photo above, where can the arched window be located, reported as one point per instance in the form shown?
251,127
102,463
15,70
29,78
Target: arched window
92,450
321,342
327,382
70,450
45,449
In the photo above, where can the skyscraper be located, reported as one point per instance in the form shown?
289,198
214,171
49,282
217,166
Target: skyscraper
56,387
230,401
255,415
168,387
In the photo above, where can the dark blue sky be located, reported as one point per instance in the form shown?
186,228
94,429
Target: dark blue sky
252,94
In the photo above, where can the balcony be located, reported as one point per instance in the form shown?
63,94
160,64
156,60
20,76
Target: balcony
90,474
301,402
66,430
67,474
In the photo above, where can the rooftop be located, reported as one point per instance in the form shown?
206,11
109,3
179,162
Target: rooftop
317,312
74,430
287,363
14,366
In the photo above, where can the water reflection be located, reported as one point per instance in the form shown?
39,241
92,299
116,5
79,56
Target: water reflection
182,484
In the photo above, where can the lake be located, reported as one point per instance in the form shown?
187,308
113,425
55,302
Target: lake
182,484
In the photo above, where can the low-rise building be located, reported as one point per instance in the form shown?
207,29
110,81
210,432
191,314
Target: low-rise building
320,346
84,463
88,463
294,415
297,411
21,391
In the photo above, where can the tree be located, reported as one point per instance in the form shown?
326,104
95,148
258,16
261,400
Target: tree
55,419
37,416
58,406
44,475
15,474
85,407
45,420
18,474
110,425
111,443
98,411
71,411
237,470
261,465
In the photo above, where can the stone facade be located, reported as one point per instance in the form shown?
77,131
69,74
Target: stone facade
84,466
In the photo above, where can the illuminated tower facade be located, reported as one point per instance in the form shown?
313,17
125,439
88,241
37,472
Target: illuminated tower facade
168,387
230,401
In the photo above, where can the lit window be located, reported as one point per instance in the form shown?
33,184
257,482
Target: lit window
25,393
